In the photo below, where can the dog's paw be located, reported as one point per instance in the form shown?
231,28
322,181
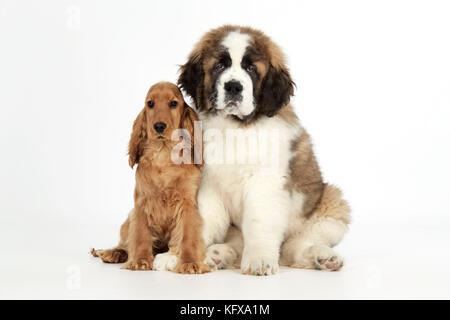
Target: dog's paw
324,258
259,265
192,268
111,255
140,264
165,262
220,256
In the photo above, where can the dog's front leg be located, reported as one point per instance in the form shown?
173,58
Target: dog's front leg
140,255
192,247
265,217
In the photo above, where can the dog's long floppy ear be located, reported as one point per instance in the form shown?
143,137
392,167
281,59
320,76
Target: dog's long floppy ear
138,137
191,77
191,124
276,91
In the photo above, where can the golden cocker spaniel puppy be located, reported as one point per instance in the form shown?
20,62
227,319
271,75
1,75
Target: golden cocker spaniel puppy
165,215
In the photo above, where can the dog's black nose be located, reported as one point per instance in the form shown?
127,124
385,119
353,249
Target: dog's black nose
160,127
233,87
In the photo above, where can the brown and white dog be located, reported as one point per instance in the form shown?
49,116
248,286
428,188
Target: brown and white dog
287,215
165,215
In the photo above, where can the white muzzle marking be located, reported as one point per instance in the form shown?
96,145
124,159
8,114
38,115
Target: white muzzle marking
236,44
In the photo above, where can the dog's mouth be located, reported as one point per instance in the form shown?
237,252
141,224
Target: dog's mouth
232,103
232,107
159,136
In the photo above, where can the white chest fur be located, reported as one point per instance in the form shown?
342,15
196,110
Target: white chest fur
242,159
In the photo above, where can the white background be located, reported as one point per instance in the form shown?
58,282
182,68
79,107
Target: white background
373,89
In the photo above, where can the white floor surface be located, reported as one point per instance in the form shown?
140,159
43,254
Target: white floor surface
383,260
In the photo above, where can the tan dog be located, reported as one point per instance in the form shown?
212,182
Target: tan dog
165,215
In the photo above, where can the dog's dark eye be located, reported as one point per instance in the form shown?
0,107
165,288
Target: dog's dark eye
173,104
151,104
219,66
251,68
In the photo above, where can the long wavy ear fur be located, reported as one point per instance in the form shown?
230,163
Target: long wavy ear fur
189,118
276,91
138,137
191,78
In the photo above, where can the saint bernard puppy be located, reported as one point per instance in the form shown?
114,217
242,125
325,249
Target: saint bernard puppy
269,207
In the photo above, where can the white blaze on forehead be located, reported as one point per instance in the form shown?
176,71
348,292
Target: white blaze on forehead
236,44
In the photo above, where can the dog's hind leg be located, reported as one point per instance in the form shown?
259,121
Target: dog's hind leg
312,246
115,255
228,254
118,254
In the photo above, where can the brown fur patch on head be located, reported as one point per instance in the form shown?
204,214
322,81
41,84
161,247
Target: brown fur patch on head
274,85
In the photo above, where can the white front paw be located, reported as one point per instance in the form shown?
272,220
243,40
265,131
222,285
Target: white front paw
258,265
165,261
220,256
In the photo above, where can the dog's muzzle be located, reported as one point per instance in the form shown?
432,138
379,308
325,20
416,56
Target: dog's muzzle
233,94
